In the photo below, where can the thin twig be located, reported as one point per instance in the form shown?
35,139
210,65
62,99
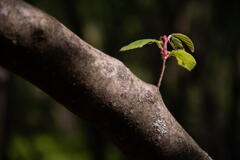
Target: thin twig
162,73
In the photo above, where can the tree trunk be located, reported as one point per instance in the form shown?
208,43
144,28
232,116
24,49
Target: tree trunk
41,50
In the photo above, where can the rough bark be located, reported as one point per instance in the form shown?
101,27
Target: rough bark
93,85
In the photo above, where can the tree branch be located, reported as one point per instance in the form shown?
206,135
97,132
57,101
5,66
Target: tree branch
93,85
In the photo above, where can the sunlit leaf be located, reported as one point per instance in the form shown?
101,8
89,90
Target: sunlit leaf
184,59
138,44
176,43
185,39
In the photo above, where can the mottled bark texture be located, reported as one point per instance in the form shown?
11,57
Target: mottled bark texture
93,85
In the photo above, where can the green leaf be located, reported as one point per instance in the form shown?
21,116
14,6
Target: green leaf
185,39
139,44
184,59
176,43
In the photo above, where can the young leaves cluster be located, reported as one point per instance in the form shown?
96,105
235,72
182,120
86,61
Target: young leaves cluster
177,42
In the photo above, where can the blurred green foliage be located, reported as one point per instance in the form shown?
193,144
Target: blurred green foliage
205,101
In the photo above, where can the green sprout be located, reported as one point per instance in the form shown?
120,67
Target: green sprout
177,42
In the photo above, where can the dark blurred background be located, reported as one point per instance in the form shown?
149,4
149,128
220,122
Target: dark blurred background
205,101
